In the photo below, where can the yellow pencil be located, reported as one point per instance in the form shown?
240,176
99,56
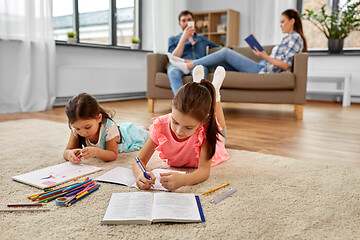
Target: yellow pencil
216,188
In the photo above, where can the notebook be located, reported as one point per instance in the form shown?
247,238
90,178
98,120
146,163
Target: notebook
125,176
147,208
251,40
55,175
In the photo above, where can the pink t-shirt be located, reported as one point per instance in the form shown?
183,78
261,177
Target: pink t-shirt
182,153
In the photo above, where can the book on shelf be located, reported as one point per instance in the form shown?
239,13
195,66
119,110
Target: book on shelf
251,40
125,176
148,207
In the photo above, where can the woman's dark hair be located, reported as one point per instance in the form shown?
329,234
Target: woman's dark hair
85,106
198,100
184,13
294,14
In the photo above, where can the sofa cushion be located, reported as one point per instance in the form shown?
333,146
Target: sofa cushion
254,81
162,80
238,80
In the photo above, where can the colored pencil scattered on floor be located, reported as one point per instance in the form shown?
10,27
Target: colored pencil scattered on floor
75,191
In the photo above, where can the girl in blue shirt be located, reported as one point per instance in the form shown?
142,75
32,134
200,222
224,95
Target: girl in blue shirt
95,134
281,58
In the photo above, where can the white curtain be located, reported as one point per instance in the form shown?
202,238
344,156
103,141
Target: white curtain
165,22
27,56
265,19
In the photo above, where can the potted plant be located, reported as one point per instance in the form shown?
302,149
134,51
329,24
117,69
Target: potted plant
135,42
71,37
338,25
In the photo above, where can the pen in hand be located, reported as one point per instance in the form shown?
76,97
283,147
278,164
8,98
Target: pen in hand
142,168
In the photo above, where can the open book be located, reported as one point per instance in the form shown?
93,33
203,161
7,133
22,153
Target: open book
251,40
147,208
125,176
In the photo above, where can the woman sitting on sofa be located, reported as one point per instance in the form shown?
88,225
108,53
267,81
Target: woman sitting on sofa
281,57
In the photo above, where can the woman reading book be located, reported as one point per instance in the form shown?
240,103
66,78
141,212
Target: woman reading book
281,58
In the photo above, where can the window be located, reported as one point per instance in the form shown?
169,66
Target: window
94,21
62,18
103,22
315,38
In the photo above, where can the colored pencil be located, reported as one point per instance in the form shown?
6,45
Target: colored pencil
85,189
81,187
33,197
24,209
76,185
51,198
74,192
26,205
68,201
50,194
224,185
91,191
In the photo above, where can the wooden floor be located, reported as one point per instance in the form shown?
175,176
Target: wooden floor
328,132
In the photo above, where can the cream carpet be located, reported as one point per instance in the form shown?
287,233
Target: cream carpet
277,198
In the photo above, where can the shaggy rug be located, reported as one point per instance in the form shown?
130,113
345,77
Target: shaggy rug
277,197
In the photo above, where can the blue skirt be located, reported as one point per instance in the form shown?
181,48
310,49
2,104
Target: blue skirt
134,137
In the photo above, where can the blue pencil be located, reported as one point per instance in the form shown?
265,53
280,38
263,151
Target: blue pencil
77,185
47,194
90,191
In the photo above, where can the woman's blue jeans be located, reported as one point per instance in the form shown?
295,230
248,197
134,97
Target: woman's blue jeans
230,60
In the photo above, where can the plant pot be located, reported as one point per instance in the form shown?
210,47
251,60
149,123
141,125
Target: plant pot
71,40
335,45
134,45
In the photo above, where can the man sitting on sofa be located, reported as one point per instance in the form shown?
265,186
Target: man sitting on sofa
187,45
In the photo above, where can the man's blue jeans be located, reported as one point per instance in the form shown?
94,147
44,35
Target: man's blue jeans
230,60
176,75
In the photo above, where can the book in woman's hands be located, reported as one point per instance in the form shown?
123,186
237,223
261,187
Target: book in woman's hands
251,40
147,208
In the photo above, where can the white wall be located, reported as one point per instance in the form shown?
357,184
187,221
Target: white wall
99,71
333,63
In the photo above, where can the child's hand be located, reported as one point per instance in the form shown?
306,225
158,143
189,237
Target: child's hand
73,156
143,183
171,180
89,152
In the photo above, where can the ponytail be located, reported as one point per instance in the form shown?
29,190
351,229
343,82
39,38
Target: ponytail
212,128
198,100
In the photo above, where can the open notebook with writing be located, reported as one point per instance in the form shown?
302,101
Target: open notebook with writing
125,176
147,208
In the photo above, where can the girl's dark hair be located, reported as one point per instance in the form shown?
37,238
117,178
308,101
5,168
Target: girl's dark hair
85,106
294,14
198,100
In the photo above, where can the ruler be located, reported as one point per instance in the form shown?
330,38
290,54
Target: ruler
223,196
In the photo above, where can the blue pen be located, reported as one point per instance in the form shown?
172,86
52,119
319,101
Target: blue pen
142,168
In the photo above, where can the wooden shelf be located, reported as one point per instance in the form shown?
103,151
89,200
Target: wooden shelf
228,19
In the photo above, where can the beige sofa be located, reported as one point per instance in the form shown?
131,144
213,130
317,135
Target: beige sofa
278,88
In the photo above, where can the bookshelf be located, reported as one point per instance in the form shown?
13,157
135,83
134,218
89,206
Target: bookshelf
220,27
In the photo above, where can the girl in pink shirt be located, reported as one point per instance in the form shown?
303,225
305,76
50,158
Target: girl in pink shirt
190,136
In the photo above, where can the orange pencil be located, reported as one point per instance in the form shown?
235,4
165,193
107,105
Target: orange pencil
216,188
